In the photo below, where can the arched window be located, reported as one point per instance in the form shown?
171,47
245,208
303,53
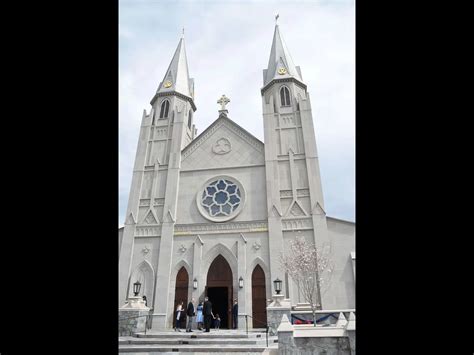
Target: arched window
190,117
165,107
285,96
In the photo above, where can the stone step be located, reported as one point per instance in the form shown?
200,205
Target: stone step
221,348
200,335
185,341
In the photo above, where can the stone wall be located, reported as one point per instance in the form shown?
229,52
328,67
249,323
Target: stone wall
132,321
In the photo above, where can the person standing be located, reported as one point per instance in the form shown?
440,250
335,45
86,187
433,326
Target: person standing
179,310
207,310
199,317
235,314
190,313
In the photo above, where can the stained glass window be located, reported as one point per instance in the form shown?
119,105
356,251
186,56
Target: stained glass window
221,197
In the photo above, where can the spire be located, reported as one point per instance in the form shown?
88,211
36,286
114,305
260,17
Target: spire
280,64
177,76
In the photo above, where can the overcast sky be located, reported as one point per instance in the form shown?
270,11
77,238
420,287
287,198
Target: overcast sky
227,45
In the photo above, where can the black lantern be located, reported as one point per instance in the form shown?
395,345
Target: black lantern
136,288
195,283
277,284
241,282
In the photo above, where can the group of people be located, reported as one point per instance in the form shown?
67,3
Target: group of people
204,316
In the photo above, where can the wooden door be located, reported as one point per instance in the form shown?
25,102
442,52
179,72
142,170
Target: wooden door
181,293
259,298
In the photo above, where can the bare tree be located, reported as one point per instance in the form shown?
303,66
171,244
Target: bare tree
310,267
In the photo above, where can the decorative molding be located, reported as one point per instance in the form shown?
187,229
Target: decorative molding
148,231
159,201
222,146
256,245
170,217
182,248
220,228
146,250
317,210
144,202
286,194
243,238
198,237
297,224
296,210
302,192
150,218
130,219
275,212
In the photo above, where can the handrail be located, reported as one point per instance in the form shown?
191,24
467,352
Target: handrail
259,321
147,322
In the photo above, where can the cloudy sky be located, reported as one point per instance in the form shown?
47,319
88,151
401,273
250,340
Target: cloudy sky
227,45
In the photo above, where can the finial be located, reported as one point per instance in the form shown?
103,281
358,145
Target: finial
276,18
182,36
223,101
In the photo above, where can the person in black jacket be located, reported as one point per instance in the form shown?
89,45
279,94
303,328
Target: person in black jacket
207,310
235,314
190,313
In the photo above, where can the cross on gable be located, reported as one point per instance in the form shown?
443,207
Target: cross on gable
223,101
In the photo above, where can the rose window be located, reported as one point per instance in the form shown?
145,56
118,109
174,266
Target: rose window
221,199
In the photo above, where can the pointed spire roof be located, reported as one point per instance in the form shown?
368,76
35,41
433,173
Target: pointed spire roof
177,76
280,63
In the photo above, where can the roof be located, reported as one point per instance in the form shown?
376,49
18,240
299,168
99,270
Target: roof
280,58
177,76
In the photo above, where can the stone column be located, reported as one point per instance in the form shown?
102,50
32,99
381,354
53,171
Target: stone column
243,292
133,316
350,331
276,310
286,344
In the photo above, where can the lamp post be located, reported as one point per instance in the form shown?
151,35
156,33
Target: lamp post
195,283
241,282
136,288
277,284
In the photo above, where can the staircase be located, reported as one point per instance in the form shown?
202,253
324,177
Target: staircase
218,341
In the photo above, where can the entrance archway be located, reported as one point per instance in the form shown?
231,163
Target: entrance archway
181,293
219,290
259,298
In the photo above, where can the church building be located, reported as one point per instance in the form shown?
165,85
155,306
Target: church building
210,214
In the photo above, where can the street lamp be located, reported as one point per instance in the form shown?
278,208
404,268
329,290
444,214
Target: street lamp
136,288
195,283
277,283
241,282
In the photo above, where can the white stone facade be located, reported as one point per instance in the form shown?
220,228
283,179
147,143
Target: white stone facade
279,196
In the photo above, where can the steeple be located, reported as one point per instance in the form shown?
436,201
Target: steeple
280,64
176,79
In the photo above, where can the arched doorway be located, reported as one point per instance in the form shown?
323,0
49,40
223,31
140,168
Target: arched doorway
181,293
259,298
219,290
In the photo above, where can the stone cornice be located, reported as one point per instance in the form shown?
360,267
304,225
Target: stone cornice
174,93
219,228
283,80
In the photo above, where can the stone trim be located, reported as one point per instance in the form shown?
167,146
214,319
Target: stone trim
219,228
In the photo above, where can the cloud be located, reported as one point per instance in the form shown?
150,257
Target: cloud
228,45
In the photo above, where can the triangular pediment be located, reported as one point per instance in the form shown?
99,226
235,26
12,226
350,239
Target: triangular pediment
296,210
223,144
150,218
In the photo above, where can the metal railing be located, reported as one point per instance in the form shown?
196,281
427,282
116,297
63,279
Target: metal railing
258,321
127,325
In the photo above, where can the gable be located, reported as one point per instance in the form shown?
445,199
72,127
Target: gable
223,144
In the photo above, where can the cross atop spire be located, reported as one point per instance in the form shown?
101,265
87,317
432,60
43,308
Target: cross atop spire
276,18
